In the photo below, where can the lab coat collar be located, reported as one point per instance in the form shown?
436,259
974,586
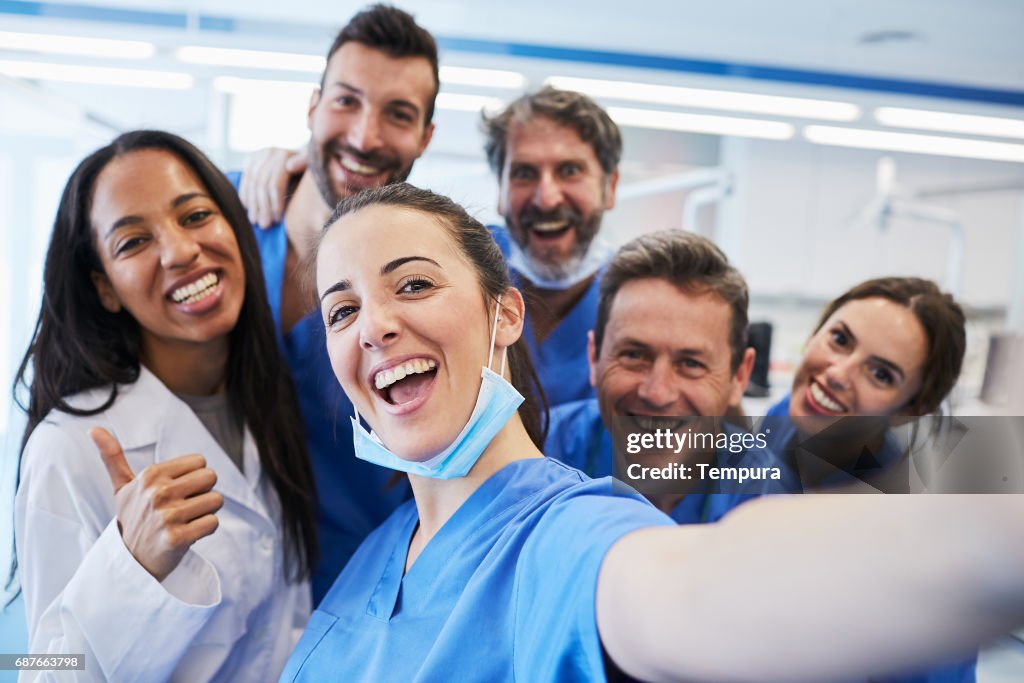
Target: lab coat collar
154,415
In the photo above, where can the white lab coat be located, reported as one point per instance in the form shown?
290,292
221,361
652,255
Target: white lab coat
225,613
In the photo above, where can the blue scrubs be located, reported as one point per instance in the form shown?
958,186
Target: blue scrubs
578,437
782,439
561,359
504,592
353,496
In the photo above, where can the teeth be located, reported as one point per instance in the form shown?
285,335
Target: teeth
357,167
386,378
652,422
550,226
647,423
822,398
195,291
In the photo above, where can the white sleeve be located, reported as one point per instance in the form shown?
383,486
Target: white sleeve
84,592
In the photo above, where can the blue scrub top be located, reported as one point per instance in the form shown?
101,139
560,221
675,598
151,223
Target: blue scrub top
353,496
782,438
504,592
561,359
578,437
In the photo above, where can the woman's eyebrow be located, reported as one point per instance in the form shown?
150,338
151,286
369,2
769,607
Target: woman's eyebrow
181,199
339,286
133,219
390,266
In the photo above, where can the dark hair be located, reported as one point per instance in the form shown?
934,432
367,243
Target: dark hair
688,261
478,246
566,107
78,344
942,320
396,34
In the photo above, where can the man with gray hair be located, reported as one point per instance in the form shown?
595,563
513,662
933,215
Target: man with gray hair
670,341
556,154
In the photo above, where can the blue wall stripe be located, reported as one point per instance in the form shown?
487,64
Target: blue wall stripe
737,70
56,10
949,91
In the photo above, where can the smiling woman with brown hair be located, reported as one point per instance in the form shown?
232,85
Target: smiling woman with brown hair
885,352
511,566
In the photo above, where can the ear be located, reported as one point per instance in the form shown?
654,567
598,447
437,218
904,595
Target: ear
609,190
511,321
742,377
592,357
314,99
105,291
428,134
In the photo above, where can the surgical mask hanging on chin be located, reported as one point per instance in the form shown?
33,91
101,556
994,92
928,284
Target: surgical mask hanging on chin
598,254
496,403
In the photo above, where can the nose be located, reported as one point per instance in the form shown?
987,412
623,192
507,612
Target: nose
178,248
658,388
548,193
837,375
379,326
364,135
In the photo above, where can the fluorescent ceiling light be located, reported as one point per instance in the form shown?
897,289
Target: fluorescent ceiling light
249,86
701,123
474,103
252,59
290,61
135,78
950,123
272,89
73,45
911,142
751,103
485,78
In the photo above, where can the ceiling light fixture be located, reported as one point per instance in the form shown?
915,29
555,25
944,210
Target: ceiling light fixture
701,123
914,143
949,122
752,103
74,45
251,59
473,103
97,75
484,78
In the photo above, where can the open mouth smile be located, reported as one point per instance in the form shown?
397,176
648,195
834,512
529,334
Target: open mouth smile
546,230
405,382
821,401
197,290
353,166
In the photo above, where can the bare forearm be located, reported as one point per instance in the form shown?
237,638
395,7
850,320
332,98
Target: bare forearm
815,588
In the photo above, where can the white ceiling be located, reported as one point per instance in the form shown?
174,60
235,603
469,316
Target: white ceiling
965,42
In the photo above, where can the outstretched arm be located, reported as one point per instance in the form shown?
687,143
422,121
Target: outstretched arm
815,588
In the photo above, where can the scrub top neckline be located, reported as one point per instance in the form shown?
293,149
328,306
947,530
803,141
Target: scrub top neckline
385,598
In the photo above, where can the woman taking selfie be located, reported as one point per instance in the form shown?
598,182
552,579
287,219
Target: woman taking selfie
511,566
164,522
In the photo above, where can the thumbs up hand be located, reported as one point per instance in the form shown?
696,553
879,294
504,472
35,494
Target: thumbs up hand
165,509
